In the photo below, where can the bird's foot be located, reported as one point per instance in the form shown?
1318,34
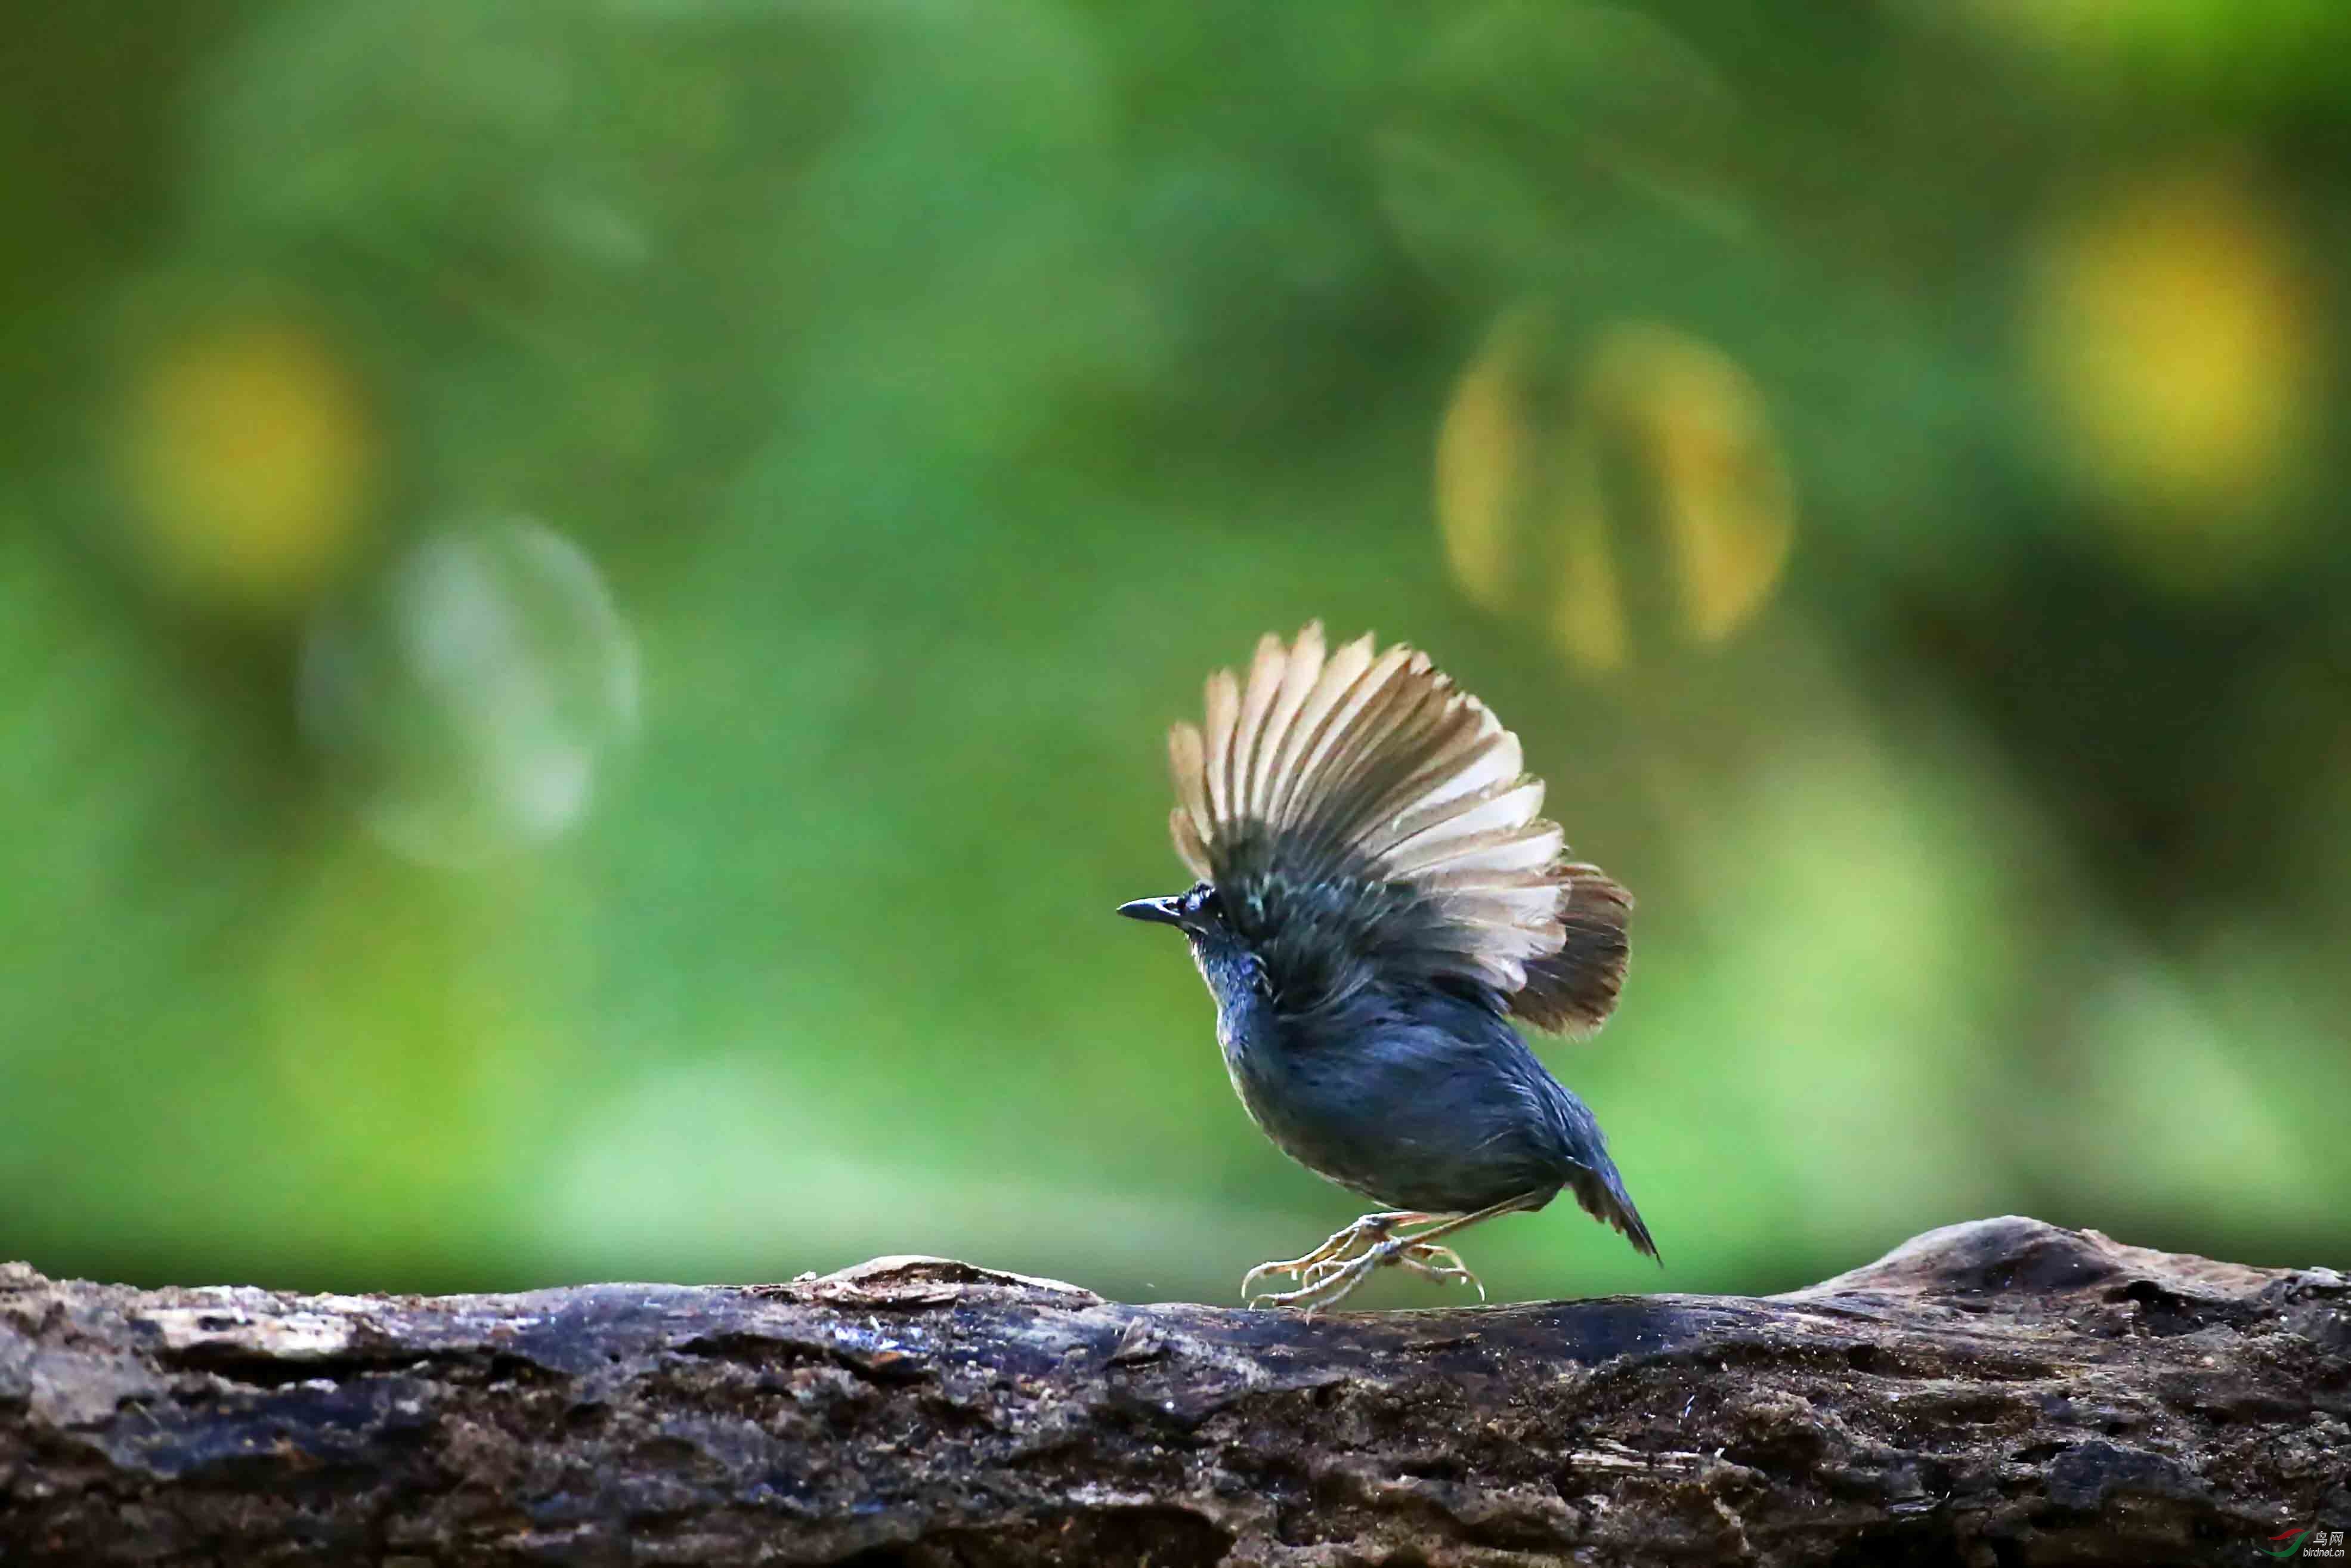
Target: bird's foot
1343,1245
1330,1279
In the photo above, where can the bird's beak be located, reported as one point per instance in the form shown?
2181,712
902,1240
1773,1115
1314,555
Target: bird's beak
1162,910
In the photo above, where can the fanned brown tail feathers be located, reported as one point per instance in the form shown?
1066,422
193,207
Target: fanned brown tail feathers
1378,760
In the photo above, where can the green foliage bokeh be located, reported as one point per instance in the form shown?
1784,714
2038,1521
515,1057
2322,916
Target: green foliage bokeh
940,389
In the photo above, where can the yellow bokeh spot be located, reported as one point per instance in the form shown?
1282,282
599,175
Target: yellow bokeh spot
1485,449
2173,339
1723,493
1525,506
1587,619
249,456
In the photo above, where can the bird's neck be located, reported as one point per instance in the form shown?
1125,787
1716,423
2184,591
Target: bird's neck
1243,1001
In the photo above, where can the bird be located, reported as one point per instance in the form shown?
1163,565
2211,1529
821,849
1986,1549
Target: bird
1378,898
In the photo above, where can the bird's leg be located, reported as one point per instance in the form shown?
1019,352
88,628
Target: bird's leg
1331,1280
1342,1245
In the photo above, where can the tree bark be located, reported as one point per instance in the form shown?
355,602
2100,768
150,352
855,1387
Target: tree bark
2003,1392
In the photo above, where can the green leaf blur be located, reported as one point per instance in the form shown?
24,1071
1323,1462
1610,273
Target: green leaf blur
589,596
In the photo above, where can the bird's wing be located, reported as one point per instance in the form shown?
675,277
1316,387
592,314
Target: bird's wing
1374,769
1574,990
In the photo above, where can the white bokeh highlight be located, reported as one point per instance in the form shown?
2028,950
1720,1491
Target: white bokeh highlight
469,699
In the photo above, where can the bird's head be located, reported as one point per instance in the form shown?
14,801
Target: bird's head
1223,953
1196,912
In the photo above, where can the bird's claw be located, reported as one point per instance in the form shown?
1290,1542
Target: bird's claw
1433,1260
1337,1249
1330,1273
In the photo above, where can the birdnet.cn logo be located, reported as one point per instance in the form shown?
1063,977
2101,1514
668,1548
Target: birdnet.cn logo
2308,1544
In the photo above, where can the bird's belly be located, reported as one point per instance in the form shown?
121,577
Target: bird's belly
1416,1137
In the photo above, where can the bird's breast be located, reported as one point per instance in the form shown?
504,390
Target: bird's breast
1410,1116
1292,1104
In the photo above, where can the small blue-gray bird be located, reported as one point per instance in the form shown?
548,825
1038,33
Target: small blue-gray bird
1379,896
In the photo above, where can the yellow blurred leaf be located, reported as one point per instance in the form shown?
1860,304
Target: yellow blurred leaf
2172,337
1588,618
1724,494
1525,506
1485,448
249,456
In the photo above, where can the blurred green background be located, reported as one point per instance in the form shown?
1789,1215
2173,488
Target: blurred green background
590,595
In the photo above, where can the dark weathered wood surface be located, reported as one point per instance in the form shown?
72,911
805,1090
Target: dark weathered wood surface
1998,1392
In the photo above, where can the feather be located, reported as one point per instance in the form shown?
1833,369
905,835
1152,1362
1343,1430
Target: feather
1374,766
1224,706
1575,989
1500,807
1339,676
1190,847
1529,847
1299,676
1257,704
1186,761
1472,735
1306,796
